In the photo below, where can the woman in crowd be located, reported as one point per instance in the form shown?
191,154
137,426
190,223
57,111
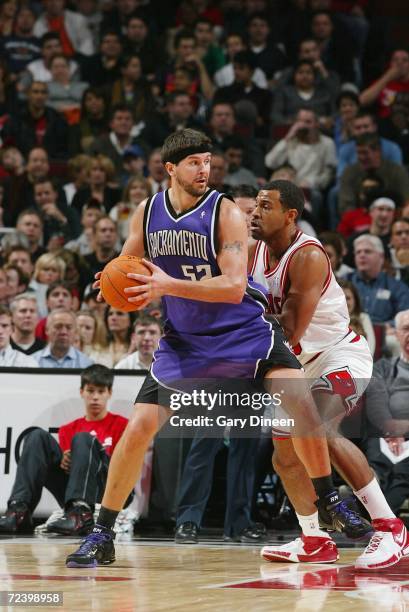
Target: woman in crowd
64,94
93,120
92,336
133,89
78,171
335,248
359,321
119,328
100,186
17,281
347,109
48,269
136,190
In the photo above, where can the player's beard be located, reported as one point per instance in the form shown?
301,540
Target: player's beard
196,192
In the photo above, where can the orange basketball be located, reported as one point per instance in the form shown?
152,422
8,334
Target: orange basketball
114,280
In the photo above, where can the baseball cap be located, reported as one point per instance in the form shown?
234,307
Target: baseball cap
133,151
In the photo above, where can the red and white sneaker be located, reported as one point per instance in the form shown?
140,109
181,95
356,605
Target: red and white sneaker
388,545
307,549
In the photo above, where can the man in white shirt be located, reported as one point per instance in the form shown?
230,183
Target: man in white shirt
74,25
144,341
225,76
304,147
9,357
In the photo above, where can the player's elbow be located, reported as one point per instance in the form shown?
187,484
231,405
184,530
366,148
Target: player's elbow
237,291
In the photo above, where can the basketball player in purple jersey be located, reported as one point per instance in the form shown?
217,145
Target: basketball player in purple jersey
196,239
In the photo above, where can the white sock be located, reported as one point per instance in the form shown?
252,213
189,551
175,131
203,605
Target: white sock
310,526
374,501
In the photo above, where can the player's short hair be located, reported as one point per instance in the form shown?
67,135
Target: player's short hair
291,196
98,375
243,191
182,143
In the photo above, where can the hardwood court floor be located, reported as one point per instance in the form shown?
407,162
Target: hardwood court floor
160,576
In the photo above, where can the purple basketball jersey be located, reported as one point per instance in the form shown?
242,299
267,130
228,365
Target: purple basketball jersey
198,334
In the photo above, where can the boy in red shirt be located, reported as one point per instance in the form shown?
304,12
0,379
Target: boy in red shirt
74,470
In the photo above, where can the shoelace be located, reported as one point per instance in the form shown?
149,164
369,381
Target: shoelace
343,508
91,540
374,542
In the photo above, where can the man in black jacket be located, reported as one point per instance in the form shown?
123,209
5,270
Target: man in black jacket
37,125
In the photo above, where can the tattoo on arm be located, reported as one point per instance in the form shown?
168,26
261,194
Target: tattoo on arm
236,246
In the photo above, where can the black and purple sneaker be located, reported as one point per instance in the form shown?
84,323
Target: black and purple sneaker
97,548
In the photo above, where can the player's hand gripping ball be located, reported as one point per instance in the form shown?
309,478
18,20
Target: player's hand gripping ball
114,280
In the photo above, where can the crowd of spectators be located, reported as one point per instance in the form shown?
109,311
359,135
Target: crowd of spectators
311,90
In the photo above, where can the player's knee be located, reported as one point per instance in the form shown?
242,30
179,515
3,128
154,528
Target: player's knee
283,462
141,428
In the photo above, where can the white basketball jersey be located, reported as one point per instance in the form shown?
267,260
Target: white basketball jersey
330,320
259,263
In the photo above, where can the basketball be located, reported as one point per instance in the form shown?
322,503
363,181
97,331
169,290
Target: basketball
114,280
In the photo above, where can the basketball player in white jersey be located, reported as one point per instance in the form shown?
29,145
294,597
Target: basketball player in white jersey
311,307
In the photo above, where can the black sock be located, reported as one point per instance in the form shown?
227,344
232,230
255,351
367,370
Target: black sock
324,486
107,518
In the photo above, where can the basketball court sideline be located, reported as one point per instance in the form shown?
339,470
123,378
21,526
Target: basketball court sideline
152,575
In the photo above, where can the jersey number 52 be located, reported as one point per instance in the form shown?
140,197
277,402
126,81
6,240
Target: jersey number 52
196,273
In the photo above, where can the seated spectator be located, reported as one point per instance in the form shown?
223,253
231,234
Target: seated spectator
104,67
311,153
336,47
365,123
37,125
21,46
396,126
387,419
48,269
382,213
19,190
270,57
225,75
9,357
39,69
92,335
90,302
105,240
12,162
74,469
394,80
382,297
218,171
90,213
71,28
244,89
303,93
30,228
76,274
358,321
100,184
17,281
61,330
93,121
24,313
58,296
177,115
207,49
144,341
187,58
117,16
20,257
237,174
136,190
157,177
324,78
8,98
358,219
119,138
335,248
58,219
287,173
132,89
399,249
134,163
119,327
64,94
8,10
3,288
139,39
78,171
347,110
394,176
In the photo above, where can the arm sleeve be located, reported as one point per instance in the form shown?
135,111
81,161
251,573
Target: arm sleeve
64,437
278,155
